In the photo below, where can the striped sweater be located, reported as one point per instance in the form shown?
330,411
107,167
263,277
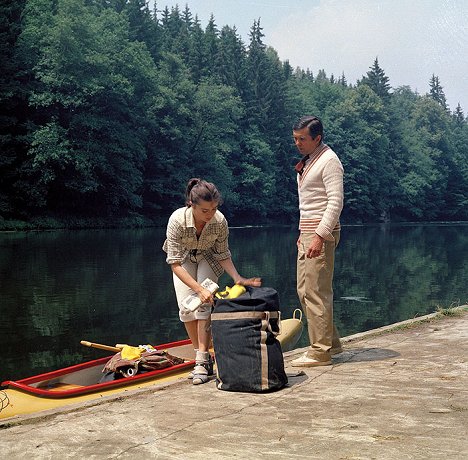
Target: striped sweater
320,189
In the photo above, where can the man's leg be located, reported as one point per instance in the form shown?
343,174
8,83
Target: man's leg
314,287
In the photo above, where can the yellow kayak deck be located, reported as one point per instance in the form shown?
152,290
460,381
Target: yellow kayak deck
15,402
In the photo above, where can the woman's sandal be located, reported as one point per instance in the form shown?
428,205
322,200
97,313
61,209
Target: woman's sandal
210,369
200,373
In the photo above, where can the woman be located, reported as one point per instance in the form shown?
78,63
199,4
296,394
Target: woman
197,248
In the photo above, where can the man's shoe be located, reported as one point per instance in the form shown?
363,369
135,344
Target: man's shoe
305,361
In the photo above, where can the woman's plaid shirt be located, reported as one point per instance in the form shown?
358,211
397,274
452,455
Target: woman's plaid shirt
181,239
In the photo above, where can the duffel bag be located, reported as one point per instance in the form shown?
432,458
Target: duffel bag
248,355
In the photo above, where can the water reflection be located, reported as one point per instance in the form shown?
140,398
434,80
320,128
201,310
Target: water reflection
113,286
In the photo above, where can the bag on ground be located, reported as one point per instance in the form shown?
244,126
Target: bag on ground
248,355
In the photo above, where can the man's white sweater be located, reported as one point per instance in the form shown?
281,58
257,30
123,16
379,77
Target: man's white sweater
321,193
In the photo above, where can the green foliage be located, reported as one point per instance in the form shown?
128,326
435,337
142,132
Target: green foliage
377,81
12,104
50,151
436,92
426,177
108,108
359,134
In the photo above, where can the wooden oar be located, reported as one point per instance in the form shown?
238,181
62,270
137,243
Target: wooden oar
101,346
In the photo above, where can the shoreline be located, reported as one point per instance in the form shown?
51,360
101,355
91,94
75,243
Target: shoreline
288,356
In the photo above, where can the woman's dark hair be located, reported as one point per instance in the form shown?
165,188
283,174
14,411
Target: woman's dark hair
201,190
313,123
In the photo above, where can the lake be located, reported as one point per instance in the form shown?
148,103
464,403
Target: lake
114,286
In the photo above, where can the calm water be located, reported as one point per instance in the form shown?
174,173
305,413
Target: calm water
113,286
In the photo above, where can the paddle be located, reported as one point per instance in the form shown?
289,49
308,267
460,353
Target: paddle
126,351
101,346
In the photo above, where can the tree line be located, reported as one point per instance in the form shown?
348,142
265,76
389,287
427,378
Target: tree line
108,107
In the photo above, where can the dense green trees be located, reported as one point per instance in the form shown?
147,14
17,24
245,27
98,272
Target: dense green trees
108,108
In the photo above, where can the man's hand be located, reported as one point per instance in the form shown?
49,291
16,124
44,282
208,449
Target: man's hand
315,247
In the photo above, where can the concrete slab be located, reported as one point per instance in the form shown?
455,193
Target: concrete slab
398,392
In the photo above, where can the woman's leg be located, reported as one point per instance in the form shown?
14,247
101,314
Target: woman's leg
204,334
203,361
203,314
182,291
197,324
192,331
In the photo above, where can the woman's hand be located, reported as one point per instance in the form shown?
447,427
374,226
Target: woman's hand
254,282
205,296
228,266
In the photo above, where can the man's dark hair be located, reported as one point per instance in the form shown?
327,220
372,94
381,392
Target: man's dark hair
313,123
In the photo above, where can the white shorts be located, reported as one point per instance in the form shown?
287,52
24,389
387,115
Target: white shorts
199,271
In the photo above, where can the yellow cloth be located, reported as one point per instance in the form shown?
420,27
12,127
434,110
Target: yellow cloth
231,293
130,353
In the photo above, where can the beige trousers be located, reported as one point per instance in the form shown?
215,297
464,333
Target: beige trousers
315,291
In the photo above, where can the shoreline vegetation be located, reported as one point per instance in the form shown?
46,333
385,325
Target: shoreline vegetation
76,223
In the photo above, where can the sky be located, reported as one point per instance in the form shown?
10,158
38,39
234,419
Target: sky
412,39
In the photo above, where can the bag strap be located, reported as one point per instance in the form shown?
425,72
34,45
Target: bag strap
277,315
265,316
245,315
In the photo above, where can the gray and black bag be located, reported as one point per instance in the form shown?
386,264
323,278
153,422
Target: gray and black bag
248,355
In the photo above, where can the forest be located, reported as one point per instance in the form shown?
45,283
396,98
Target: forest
108,107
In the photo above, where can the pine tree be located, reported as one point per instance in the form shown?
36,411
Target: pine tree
342,80
310,75
321,76
377,81
172,24
143,27
288,70
210,48
257,97
182,41
436,92
196,62
459,116
231,60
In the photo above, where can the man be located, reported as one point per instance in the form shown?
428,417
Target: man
320,188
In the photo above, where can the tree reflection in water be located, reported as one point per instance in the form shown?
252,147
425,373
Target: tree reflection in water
114,286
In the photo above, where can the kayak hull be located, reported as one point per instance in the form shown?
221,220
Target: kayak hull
77,384
15,402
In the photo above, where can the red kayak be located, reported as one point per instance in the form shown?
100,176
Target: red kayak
81,382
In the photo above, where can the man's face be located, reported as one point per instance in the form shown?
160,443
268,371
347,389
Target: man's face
304,142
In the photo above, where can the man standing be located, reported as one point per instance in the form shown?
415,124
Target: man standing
320,188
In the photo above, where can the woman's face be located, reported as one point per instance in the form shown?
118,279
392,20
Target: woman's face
204,211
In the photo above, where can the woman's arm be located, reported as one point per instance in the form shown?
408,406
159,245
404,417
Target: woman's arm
230,269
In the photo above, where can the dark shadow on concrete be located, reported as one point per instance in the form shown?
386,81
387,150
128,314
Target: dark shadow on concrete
296,377
354,355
